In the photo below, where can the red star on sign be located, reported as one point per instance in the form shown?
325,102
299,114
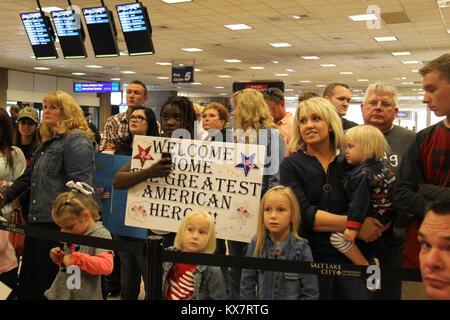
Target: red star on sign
143,155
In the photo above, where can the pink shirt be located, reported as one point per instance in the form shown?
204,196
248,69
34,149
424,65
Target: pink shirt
285,127
8,260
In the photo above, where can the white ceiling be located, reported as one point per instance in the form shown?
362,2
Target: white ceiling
325,31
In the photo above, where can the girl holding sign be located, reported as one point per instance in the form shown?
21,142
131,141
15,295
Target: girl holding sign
186,281
277,238
176,113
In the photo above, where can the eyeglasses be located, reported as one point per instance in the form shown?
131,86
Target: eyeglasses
384,104
137,118
273,93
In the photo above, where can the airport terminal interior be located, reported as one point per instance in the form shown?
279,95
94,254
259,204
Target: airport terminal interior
306,44
202,48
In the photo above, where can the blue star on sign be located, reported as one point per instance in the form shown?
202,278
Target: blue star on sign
247,163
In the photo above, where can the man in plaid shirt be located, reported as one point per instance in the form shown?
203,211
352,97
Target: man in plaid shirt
116,126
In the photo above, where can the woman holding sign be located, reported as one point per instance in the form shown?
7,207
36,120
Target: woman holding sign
254,124
315,173
176,113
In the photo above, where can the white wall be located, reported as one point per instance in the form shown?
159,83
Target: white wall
32,87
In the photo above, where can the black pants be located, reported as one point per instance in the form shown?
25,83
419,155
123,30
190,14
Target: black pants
38,271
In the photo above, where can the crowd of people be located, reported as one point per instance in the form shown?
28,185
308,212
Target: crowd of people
333,191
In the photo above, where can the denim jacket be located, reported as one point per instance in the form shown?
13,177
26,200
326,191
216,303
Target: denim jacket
208,280
57,161
270,285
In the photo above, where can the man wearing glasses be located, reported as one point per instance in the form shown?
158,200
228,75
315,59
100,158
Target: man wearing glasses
116,126
379,109
274,98
339,96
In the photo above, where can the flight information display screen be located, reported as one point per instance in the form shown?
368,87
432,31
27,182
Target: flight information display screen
136,28
81,87
69,34
102,31
37,26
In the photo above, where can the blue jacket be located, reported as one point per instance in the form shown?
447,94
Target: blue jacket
208,280
57,161
270,285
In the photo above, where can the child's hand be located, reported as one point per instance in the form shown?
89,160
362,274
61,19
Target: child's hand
350,234
56,255
67,259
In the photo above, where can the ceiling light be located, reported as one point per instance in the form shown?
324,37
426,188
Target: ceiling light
196,83
192,49
162,78
223,94
219,87
282,74
280,45
115,79
275,61
328,65
49,9
164,63
93,66
410,82
198,70
320,85
410,62
346,72
127,72
78,73
415,70
232,60
257,68
175,1
310,57
392,38
291,70
363,17
362,80
237,26
305,81
224,76
404,53
41,68
297,16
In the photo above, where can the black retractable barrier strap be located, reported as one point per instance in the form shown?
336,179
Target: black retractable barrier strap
49,234
320,268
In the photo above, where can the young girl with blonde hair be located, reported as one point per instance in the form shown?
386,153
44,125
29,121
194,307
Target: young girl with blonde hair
369,184
277,238
78,212
197,234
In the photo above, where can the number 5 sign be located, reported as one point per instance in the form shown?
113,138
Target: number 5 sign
182,74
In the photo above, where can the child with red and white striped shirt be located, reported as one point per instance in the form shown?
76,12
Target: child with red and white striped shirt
197,282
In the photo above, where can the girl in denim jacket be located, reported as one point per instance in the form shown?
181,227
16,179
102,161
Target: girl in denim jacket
185,281
277,238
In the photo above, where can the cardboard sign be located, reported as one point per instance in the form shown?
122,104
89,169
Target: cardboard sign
223,179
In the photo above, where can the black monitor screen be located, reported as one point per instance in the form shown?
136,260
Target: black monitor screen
38,33
69,34
100,25
136,28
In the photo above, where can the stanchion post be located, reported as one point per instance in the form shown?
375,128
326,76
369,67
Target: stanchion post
154,255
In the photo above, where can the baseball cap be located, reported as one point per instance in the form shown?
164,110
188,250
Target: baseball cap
28,112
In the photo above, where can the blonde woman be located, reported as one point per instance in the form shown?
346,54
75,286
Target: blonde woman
277,238
315,172
67,153
196,234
